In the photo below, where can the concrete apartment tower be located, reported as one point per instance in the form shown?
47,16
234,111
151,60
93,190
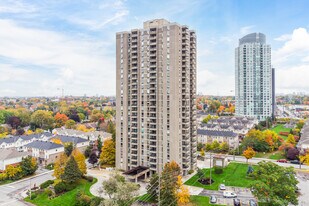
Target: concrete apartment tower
253,84
156,89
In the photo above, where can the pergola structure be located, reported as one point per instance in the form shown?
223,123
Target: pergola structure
137,172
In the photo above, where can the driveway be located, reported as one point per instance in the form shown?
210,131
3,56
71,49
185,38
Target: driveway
10,194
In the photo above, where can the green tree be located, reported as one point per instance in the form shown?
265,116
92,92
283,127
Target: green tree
153,186
43,119
70,124
71,171
224,147
68,148
169,179
275,185
111,129
215,146
208,147
4,115
28,165
206,119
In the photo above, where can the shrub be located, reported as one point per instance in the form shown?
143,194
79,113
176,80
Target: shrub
82,199
3,176
33,196
218,170
46,184
190,172
49,192
89,178
95,201
70,186
50,166
60,187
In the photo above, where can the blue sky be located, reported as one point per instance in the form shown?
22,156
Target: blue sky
46,45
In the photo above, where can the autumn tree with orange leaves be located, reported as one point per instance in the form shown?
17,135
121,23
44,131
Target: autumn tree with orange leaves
248,153
60,120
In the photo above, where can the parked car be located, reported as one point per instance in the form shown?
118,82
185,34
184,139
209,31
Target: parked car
297,162
222,186
228,194
213,199
282,161
236,202
252,203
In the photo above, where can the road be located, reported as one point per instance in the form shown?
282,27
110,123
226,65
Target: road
10,194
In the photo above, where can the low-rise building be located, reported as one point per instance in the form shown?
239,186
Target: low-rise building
78,142
208,136
17,142
46,152
11,157
303,143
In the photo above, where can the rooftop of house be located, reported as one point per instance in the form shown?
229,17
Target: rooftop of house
74,140
216,133
13,139
43,145
11,153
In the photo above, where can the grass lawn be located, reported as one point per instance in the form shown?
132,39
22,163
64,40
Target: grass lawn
67,199
6,182
280,128
146,198
270,155
233,175
200,201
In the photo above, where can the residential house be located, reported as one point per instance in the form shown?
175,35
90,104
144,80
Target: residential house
46,152
303,143
208,136
78,142
11,157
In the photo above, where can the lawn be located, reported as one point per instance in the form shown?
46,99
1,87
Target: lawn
270,155
280,128
201,201
233,175
67,199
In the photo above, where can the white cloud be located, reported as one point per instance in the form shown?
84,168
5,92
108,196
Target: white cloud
16,6
291,62
246,29
284,37
55,60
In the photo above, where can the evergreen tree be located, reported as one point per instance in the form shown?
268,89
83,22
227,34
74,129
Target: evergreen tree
28,165
93,158
100,144
68,149
71,171
153,187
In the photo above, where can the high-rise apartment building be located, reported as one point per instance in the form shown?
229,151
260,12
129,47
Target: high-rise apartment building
253,90
156,88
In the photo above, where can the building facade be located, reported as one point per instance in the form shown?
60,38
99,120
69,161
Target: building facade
156,88
253,84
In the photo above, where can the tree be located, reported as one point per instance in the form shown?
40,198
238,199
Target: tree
28,165
68,148
224,147
60,166
199,146
153,186
169,179
291,139
13,172
119,191
42,119
111,129
4,115
275,185
202,152
183,194
87,151
71,171
215,146
70,124
304,158
81,160
108,153
206,119
60,119
208,147
292,154
248,153
14,122
100,144
93,158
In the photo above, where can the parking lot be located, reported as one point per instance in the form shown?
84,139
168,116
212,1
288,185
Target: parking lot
243,194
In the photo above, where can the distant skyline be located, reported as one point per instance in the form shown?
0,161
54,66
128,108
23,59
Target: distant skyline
49,45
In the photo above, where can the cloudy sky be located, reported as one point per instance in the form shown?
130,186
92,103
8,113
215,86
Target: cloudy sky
46,45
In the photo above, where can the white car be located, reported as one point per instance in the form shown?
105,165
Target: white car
228,194
222,187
